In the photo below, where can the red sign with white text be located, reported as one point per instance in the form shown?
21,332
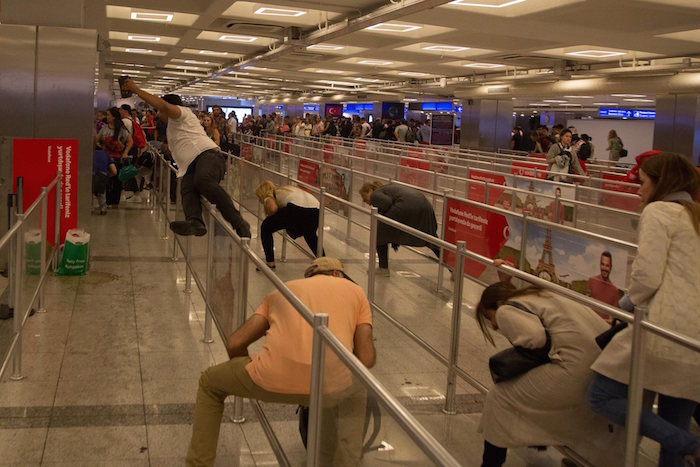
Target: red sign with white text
529,169
415,177
485,233
308,172
360,147
38,161
288,141
477,191
328,152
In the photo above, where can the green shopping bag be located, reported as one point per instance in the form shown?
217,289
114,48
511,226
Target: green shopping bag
32,252
76,251
127,172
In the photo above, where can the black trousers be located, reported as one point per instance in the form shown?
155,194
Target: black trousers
114,186
202,178
297,221
494,456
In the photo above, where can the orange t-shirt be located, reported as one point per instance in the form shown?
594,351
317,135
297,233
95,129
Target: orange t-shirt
284,363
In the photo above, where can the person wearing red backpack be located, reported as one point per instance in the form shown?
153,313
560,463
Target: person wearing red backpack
134,129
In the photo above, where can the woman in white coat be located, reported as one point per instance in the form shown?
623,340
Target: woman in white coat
546,405
666,277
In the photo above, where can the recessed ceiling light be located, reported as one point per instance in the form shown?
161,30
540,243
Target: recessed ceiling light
570,105
145,16
545,72
339,83
554,101
596,53
538,105
367,80
394,27
605,103
579,97
638,100
445,48
196,62
212,52
330,72
628,95
325,47
374,62
486,5
236,38
144,38
413,74
279,12
139,51
483,65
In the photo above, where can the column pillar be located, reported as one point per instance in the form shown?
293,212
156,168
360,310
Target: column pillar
486,123
677,125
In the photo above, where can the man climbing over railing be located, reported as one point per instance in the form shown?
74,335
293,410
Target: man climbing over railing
281,372
200,164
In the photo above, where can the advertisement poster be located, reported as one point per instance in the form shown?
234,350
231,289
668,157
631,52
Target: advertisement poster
477,191
360,148
328,152
411,176
38,161
247,151
585,265
485,233
337,183
308,172
288,141
528,169
442,128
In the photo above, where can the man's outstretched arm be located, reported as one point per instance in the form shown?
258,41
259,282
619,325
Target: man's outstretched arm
253,329
165,108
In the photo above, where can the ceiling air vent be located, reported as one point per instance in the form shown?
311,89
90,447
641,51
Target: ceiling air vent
248,29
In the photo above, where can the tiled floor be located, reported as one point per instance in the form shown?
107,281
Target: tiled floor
111,369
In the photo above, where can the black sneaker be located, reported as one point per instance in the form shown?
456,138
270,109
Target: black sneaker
191,227
243,230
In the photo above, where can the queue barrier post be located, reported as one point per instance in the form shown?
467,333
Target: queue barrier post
239,314
635,388
188,268
178,207
321,220
372,253
41,308
318,357
441,269
166,205
18,312
453,361
208,292
57,223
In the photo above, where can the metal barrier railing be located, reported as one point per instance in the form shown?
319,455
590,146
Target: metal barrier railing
23,295
451,361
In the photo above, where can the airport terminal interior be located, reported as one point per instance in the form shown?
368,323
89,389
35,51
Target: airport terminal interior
109,318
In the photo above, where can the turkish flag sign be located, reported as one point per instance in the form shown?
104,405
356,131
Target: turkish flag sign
484,231
38,161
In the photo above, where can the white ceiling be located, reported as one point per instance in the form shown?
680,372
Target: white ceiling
411,48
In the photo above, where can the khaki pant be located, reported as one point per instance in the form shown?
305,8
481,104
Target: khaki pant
343,414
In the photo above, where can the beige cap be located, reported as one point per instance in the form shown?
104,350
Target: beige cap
324,264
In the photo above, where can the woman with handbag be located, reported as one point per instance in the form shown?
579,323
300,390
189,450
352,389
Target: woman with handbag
615,146
562,159
546,404
666,277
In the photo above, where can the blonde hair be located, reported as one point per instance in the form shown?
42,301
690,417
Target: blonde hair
265,190
369,187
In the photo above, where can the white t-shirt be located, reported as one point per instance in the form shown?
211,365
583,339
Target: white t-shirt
366,129
129,125
291,194
187,139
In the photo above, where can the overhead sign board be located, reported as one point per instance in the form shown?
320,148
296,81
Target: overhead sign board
616,112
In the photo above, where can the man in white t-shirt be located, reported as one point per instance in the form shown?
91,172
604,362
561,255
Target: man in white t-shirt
200,164
366,128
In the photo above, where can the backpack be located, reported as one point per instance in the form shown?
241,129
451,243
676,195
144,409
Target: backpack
584,152
139,136
410,135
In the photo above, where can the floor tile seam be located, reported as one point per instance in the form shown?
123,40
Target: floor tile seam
60,370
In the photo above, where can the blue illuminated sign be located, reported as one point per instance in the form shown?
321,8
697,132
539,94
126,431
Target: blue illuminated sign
616,112
437,106
279,107
458,109
311,108
358,107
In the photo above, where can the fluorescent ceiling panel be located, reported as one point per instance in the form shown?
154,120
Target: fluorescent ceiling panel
145,38
202,54
394,27
325,47
483,65
596,53
240,39
506,8
444,50
269,11
237,38
142,14
139,50
278,14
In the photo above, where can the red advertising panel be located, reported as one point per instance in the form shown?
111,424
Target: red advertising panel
620,202
485,233
415,177
288,141
308,172
37,161
360,147
528,169
477,191
328,151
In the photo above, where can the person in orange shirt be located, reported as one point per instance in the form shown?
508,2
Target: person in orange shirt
281,371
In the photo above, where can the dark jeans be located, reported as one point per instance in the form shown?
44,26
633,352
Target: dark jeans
493,455
297,221
202,178
383,254
114,186
608,398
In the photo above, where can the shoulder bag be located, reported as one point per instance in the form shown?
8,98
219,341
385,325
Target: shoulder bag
515,361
